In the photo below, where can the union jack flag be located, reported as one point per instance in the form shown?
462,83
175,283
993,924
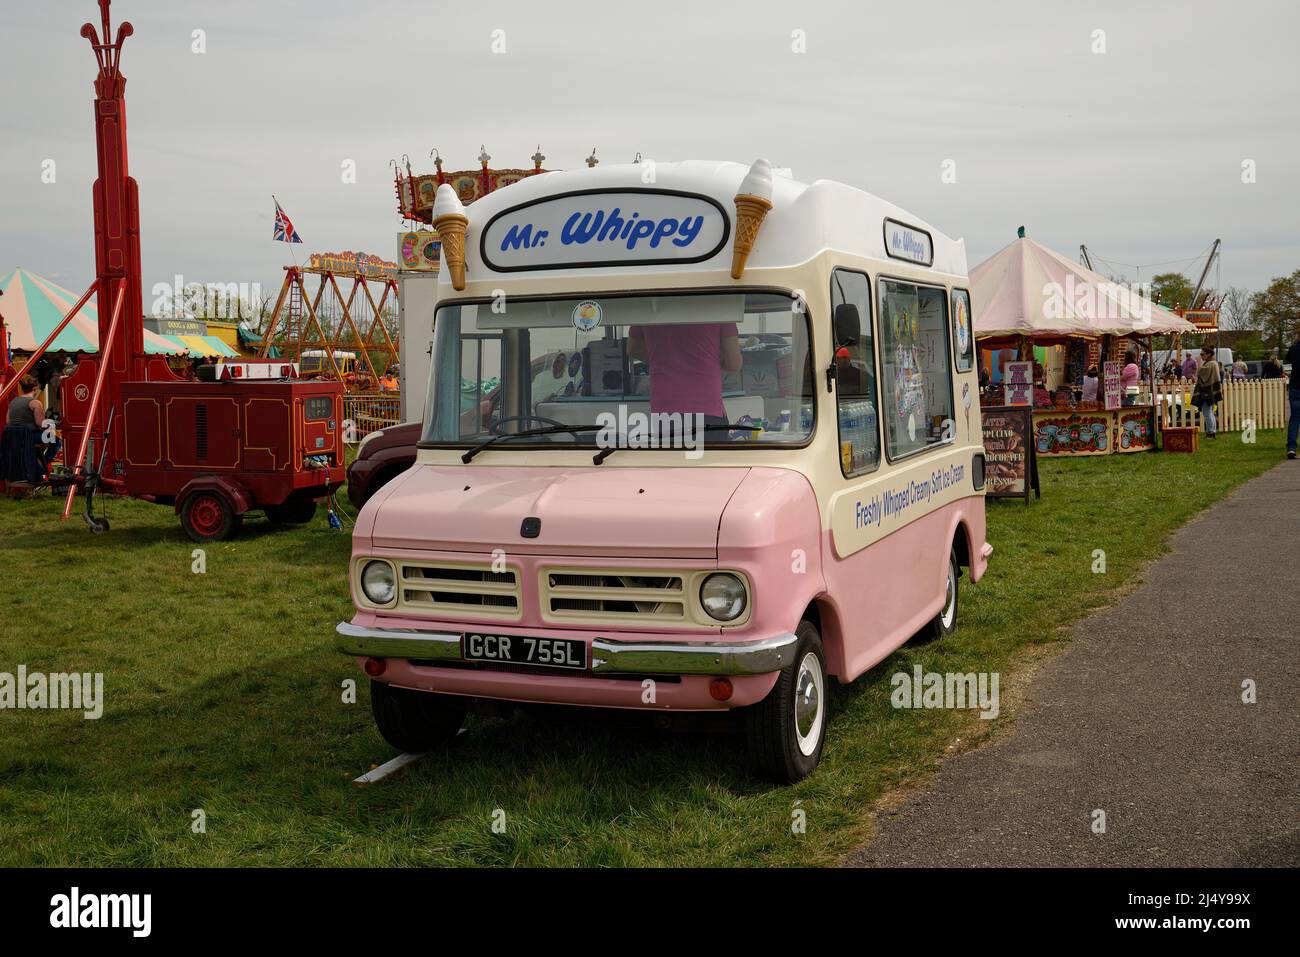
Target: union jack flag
284,231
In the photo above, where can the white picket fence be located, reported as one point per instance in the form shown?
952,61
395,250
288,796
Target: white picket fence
1262,402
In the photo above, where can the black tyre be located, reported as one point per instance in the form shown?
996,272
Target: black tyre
208,517
945,623
784,732
294,511
415,720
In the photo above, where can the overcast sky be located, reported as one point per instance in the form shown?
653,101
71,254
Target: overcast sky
1136,151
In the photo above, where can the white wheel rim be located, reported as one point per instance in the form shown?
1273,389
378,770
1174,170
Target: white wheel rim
809,703
950,607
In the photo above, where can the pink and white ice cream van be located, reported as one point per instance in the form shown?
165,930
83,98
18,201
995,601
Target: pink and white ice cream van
698,438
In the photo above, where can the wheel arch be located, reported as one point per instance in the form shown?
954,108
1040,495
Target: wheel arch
822,615
961,543
238,497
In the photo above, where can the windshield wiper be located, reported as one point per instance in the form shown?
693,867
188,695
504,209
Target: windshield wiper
610,450
547,430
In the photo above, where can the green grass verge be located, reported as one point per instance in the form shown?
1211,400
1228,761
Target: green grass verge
223,694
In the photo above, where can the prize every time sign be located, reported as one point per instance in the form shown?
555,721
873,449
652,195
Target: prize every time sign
606,228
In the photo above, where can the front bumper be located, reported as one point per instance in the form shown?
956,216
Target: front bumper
608,655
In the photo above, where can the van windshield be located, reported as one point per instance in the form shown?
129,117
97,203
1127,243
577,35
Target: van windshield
727,367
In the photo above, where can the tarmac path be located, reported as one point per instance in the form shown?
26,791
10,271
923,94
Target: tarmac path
1142,717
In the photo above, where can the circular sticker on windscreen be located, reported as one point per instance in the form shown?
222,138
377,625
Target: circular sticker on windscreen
586,315
962,324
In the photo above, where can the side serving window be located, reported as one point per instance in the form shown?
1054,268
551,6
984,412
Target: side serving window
916,371
963,330
855,372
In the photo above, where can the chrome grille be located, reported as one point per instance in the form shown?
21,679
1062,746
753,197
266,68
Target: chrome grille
473,590
584,595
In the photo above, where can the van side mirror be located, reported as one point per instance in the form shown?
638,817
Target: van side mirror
848,325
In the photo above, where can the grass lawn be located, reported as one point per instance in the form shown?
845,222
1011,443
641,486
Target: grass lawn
224,694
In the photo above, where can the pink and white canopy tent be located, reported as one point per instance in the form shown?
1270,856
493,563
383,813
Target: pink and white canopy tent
1026,289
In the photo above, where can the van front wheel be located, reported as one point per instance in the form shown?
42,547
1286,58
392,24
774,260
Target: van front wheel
945,623
415,720
784,732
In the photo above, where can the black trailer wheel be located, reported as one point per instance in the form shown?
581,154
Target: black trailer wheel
294,511
208,517
415,720
784,732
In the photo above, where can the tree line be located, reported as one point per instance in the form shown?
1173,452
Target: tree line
1273,313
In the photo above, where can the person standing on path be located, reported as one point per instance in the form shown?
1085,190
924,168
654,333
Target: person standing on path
1293,395
1208,392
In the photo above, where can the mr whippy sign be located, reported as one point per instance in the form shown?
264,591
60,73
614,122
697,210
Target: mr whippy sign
605,228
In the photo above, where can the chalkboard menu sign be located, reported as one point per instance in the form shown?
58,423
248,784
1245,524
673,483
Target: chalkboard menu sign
1010,463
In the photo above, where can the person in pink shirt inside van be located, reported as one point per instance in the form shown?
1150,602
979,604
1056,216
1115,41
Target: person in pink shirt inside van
686,365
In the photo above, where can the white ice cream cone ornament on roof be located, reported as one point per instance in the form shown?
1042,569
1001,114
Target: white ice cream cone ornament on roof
450,221
753,200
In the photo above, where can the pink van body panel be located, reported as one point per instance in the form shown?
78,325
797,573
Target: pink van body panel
879,596
763,522
631,512
771,530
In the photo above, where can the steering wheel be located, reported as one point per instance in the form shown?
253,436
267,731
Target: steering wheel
495,427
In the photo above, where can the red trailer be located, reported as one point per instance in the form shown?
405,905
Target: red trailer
217,450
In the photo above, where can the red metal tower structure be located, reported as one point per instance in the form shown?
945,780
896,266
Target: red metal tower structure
117,211
116,197
93,392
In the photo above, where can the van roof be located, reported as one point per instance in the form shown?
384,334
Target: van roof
806,218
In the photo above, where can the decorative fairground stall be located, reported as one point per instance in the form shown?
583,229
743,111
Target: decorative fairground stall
1043,323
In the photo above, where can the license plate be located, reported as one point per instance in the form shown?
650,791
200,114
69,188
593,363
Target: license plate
521,650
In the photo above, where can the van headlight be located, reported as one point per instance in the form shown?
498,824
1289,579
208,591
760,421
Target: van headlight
379,582
723,596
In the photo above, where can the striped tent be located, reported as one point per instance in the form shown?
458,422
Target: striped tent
33,306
